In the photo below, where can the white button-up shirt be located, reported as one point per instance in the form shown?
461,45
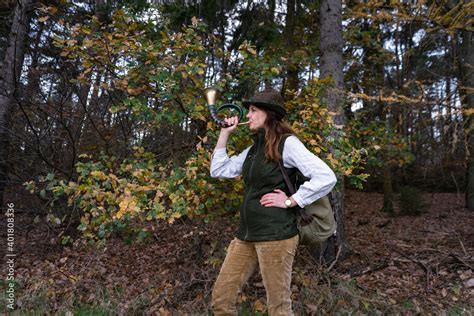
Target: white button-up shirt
295,155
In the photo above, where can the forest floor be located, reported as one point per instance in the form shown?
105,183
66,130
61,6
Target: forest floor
401,265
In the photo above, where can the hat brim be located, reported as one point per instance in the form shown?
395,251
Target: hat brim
281,112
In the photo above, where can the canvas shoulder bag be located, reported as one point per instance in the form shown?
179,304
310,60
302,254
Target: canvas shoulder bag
319,214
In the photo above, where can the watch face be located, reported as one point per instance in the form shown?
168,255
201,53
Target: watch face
288,202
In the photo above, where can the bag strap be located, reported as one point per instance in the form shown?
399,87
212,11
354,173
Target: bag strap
287,179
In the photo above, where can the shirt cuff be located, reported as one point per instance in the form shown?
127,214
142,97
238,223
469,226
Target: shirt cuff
298,200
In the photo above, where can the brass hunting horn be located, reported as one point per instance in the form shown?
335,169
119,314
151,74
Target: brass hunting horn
211,95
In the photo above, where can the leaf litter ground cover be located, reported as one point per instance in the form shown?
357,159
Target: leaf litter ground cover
400,265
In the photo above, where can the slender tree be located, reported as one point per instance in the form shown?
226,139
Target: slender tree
292,71
10,70
466,69
331,46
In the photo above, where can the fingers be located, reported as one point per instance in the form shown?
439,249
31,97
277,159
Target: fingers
276,199
267,200
231,124
231,121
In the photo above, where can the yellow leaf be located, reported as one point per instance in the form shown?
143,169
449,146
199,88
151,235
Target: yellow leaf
133,91
259,306
52,9
127,205
468,112
98,174
43,18
348,172
137,173
333,161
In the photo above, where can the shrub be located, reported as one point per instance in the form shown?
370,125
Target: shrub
411,201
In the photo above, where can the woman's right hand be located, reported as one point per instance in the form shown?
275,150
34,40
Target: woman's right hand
232,121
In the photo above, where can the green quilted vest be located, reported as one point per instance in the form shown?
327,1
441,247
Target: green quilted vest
257,222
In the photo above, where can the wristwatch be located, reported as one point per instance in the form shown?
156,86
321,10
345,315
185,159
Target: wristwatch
288,202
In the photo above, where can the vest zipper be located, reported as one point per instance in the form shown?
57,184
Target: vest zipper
250,190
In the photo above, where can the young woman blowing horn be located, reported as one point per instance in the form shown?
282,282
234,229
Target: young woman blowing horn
268,233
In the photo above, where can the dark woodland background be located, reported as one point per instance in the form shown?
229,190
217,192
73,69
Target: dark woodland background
105,139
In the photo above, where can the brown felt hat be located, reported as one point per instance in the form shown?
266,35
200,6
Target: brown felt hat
269,99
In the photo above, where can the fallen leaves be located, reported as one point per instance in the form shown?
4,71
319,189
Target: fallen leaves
174,272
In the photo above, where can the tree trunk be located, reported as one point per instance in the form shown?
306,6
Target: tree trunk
292,80
331,45
466,67
10,71
387,188
33,87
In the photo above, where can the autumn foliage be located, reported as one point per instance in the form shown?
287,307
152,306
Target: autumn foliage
160,75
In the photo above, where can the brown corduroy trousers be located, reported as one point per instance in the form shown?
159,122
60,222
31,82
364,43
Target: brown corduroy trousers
275,259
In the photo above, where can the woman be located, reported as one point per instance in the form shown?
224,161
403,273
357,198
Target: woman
268,234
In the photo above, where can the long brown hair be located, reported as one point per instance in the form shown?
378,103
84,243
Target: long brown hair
275,129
